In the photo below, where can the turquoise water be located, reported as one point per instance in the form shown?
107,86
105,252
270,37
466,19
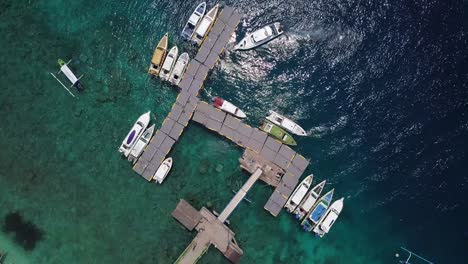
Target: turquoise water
61,172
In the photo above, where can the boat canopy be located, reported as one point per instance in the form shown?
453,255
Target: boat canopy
194,19
218,102
203,27
318,212
299,194
329,221
262,34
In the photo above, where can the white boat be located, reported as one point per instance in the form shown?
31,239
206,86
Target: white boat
316,214
228,107
194,21
141,144
260,37
298,194
285,123
169,64
134,134
179,68
163,170
309,201
330,217
205,25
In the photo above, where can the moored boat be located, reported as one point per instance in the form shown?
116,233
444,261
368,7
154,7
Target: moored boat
314,216
330,218
260,36
179,68
228,107
134,134
298,194
194,21
158,56
141,144
205,25
285,123
309,201
163,170
278,133
169,63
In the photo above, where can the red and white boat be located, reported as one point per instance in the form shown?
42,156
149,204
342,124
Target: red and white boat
228,107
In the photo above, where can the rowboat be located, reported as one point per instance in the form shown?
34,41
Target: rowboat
194,21
260,36
298,194
309,201
330,218
141,144
158,56
285,123
314,216
228,107
179,68
134,134
163,170
278,133
205,25
169,63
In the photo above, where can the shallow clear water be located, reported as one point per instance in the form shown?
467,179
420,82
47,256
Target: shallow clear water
380,87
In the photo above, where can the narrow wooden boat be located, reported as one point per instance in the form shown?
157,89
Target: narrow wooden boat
278,133
141,144
205,25
169,63
158,56
314,216
309,201
134,134
286,123
260,37
163,170
330,218
228,107
194,21
179,68
298,194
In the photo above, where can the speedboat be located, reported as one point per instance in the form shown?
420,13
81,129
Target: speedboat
194,21
285,123
141,144
260,37
329,219
169,63
134,134
205,25
158,56
298,194
278,133
228,107
179,68
309,201
163,170
314,216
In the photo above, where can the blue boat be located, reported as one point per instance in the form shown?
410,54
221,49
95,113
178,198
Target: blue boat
315,215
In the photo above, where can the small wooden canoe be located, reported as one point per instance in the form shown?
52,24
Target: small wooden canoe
158,56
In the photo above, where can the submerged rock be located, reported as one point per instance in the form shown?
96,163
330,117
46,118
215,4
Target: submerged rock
26,234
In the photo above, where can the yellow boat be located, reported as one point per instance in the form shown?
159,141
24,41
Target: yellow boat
158,56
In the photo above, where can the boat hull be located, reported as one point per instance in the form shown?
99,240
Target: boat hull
228,107
169,63
285,123
179,68
278,133
163,170
134,134
194,21
249,42
158,56
296,197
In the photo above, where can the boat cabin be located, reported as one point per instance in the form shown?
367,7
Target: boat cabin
262,34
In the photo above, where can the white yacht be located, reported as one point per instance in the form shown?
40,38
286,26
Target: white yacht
298,194
179,68
228,107
163,170
194,20
205,25
141,144
329,219
309,201
169,64
134,134
260,37
285,123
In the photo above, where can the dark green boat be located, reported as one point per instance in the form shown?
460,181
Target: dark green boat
278,133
